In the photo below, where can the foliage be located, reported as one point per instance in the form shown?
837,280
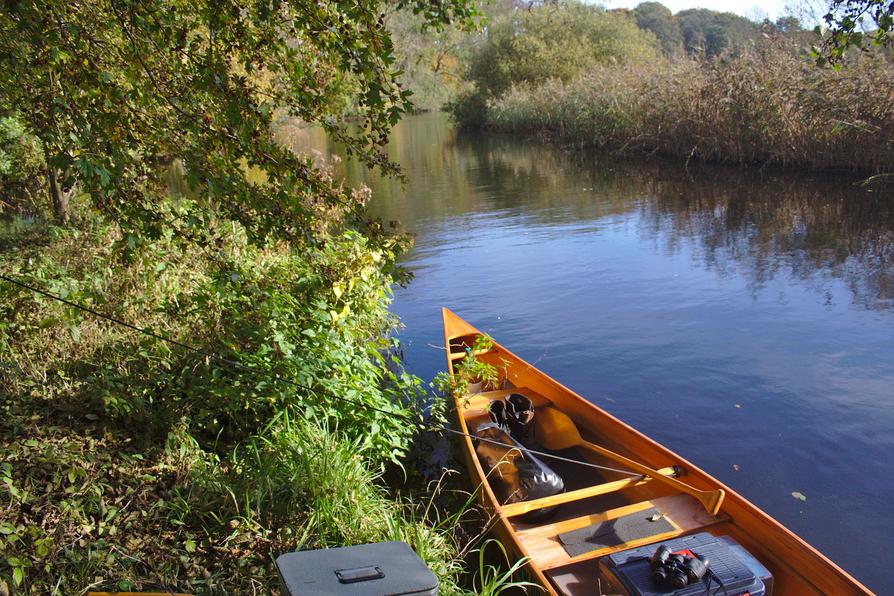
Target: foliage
114,89
847,21
309,488
317,318
85,506
129,463
703,32
767,106
430,62
657,18
713,33
469,108
522,47
21,165
494,581
469,370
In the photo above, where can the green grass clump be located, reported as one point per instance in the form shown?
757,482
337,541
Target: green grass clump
85,507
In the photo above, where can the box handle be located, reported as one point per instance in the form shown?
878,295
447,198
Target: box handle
358,574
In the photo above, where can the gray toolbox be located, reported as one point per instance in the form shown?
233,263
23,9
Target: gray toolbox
379,569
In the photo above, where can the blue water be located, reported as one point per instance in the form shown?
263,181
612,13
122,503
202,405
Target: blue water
745,320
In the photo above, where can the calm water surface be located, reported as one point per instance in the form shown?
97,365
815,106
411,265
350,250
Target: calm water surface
744,320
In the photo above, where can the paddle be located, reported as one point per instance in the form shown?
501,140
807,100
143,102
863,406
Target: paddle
555,430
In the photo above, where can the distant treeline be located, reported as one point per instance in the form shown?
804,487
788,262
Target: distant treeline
699,31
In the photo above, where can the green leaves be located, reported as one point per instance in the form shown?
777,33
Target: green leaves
148,85
259,257
855,24
523,48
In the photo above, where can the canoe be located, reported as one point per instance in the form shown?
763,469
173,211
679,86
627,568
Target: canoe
593,495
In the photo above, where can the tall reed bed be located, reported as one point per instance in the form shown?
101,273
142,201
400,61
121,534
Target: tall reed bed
767,106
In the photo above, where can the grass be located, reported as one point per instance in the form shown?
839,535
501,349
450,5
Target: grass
86,508
126,464
770,105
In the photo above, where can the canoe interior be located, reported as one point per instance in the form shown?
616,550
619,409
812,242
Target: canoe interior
594,496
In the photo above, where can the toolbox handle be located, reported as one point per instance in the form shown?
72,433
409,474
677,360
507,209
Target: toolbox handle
358,574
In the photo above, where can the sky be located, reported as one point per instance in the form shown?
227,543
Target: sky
746,8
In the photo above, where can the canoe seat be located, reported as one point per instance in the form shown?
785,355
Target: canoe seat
680,514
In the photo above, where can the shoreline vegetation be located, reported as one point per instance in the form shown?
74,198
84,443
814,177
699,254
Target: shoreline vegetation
761,100
764,107
129,463
141,176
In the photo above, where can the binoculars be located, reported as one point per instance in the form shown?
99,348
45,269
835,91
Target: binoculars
676,570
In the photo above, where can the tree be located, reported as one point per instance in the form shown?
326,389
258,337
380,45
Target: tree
714,32
657,18
429,61
116,89
554,41
788,24
853,23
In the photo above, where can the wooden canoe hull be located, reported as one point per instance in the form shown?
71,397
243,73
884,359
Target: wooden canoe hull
797,567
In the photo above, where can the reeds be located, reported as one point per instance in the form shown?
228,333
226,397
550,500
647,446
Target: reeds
767,106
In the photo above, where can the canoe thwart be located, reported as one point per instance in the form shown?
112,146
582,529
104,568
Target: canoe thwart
522,507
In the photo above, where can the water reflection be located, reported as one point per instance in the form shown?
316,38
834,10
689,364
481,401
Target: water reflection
742,318
745,223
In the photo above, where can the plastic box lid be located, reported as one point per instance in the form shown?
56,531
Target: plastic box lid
736,567
379,569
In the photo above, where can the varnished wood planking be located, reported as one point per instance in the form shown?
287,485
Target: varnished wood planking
542,542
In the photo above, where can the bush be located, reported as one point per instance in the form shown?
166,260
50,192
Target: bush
528,47
129,463
21,167
318,318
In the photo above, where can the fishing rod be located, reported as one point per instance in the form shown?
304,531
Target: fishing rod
313,390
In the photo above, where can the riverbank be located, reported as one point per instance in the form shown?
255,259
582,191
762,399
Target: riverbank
768,106
132,463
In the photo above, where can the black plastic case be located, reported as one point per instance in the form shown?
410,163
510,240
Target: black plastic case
380,569
629,572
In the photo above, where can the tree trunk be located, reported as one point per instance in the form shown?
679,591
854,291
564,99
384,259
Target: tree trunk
59,197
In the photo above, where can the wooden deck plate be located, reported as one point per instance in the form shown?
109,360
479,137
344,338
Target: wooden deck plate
542,542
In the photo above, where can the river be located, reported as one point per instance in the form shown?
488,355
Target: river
744,319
